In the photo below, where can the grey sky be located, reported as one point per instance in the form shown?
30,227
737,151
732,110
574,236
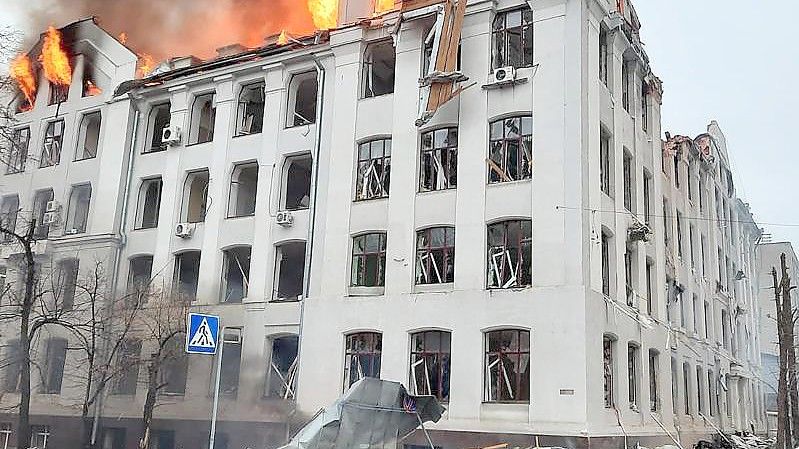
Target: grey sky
729,60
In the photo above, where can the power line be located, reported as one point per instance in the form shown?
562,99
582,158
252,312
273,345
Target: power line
626,212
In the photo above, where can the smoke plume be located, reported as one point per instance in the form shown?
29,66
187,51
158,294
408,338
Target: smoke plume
166,28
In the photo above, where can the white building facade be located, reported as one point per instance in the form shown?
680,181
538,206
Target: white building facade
289,190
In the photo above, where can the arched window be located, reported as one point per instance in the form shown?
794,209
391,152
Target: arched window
378,69
297,182
195,197
430,364
203,118
369,260
186,275
149,203
243,190
302,100
439,160
236,273
435,255
78,210
510,254
89,136
250,112
507,366
159,118
374,169
290,271
9,210
510,149
362,357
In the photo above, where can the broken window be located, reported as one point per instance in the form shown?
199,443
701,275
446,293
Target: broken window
362,357
195,197
127,364
654,381
435,255
608,349
175,367
9,211
39,436
512,35
374,169
11,366
243,190
676,160
647,198
725,330
691,233
51,146
369,260
507,366
282,371
686,384
78,210
236,274
66,284
625,86
439,160
58,94
510,149
632,375
606,238
89,86
644,106
630,272
231,362
203,118
89,136
605,170
139,275
712,393
378,69
674,385
667,222
700,389
510,254
297,191
18,151
679,234
250,113
430,364
290,271
302,104
629,181
159,118
603,56
40,202
707,317
187,272
53,368
650,282
149,203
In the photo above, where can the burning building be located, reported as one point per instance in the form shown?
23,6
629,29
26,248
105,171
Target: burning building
311,191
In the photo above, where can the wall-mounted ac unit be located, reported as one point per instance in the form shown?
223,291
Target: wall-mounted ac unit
285,219
53,206
184,230
171,135
502,75
51,218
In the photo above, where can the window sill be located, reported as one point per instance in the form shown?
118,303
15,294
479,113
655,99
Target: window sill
304,124
445,287
234,217
509,289
426,192
364,200
85,159
196,144
364,97
359,291
237,135
149,228
506,183
153,151
293,300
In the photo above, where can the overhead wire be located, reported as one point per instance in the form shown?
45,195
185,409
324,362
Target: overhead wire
715,220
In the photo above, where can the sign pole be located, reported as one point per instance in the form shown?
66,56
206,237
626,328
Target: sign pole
221,340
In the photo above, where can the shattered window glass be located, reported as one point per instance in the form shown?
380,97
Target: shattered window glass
374,169
435,255
430,364
507,366
250,111
510,149
160,116
362,358
513,38
378,69
18,153
53,141
510,254
369,260
607,363
439,163
282,370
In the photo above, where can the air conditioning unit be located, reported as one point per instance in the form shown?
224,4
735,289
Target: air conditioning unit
285,219
171,134
53,206
503,75
184,230
51,218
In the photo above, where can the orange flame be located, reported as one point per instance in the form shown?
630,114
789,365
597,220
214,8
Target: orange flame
92,89
146,64
55,60
382,6
283,39
324,13
21,70
123,38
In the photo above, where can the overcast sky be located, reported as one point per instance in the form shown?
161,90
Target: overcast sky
734,61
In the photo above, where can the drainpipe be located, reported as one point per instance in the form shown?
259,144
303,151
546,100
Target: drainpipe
123,238
320,99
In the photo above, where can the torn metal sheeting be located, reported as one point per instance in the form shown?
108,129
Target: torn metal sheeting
373,414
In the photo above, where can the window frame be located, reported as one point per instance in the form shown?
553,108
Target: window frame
241,109
151,132
444,274
523,248
9,206
287,378
141,209
18,161
245,277
297,80
50,161
373,350
234,190
442,363
447,159
196,121
499,170
80,155
368,164
177,285
367,84
74,201
524,30
364,256
185,208
609,370
522,336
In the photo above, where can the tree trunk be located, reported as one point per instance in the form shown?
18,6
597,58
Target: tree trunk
793,393
23,426
783,424
149,403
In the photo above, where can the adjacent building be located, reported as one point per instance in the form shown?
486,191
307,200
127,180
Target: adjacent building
605,284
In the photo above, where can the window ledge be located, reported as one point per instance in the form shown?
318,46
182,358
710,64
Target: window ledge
236,136
445,287
439,191
358,291
238,217
197,144
365,200
510,183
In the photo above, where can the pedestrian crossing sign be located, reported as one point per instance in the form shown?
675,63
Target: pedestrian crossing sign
202,333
